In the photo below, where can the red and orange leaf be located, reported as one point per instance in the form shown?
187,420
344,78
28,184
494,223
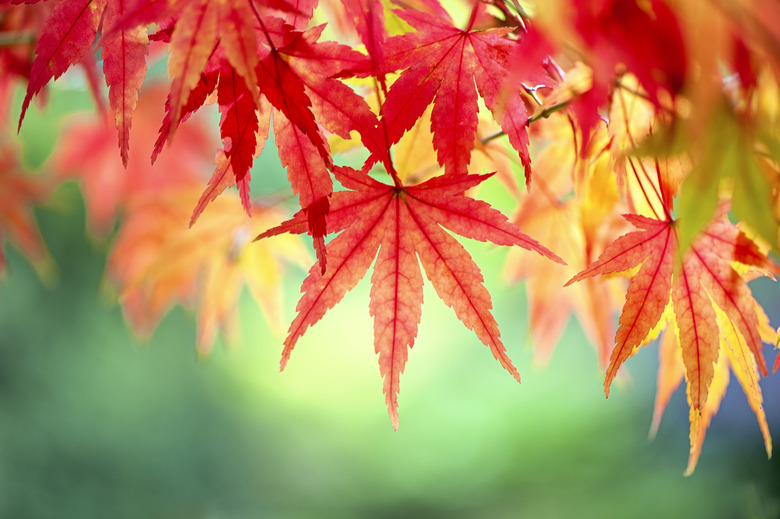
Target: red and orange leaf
286,92
192,43
697,328
743,364
648,293
19,192
367,17
197,97
337,106
308,175
446,66
404,223
124,66
705,273
224,175
238,39
310,91
69,32
158,261
712,305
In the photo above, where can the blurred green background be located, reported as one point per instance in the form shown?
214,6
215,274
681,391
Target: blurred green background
96,424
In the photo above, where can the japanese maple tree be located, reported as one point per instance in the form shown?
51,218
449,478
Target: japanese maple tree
640,139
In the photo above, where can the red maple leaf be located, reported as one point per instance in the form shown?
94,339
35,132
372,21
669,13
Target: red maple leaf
450,64
700,283
643,38
404,223
70,32
124,65
293,77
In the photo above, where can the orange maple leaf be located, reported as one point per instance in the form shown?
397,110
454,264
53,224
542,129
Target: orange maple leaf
403,223
578,224
737,356
19,192
707,297
157,261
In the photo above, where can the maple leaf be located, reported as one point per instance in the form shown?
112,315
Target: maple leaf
157,261
576,223
737,356
290,71
194,39
197,98
295,74
644,38
404,223
87,152
124,66
449,64
701,284
19,192
243,136
68,34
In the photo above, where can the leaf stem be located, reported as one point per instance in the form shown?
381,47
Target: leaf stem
642,95
547,112
642,187
263,27
631,140
544,114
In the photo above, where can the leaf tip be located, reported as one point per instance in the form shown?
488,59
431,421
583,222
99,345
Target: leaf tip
288,346
392,410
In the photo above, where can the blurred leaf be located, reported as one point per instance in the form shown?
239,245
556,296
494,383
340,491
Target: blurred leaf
19,192
158,261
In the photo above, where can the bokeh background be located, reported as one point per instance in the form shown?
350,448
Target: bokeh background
96,423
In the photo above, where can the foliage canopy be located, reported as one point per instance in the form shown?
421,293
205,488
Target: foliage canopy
646,135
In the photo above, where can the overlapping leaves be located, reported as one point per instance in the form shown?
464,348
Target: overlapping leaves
694,288
699,85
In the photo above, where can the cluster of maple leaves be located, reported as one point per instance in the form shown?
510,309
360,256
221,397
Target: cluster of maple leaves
639,128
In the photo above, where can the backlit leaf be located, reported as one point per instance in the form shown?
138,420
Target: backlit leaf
402,224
